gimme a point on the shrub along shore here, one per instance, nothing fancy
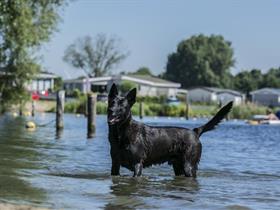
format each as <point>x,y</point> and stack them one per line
<point>6,206</point>
<point>152,108</point>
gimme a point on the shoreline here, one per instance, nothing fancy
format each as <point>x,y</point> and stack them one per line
<point>244,111</point>
<point>8,206</point>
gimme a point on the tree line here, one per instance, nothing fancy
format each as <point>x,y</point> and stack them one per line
<point>247,81</point>
<point>208,60</point>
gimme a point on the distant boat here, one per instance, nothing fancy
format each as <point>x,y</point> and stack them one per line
<point>262,119</point>
<point>259,117</point>
<point>271,122</point>
<point>173,101</point>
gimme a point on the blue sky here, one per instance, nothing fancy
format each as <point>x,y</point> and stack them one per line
<point>151,29</point>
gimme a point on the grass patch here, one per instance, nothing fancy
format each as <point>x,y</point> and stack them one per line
<point>244,111</point>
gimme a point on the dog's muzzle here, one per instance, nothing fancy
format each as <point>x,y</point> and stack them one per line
<point>113,121</point>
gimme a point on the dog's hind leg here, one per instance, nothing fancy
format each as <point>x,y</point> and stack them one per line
<point>178,167</point>
<point>138,169</point>
<point>189,170</point>
<point>191,160</point>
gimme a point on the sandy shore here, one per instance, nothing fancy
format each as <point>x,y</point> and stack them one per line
<point>5,206</point>
<point>41,106</point>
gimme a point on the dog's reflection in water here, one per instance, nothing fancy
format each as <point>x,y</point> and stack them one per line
<point>145,192</point>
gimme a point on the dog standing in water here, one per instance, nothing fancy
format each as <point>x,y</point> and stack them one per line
<point>135,145</point>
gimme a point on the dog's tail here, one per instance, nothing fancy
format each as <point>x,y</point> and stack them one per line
<point>215,120</point>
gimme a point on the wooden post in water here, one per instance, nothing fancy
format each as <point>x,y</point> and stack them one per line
<point>88,90</point>
<point>20,108</point>
<point>91,111</point>
<point>33,108</point>
<point>60,98</point>
<point>220,104</point>
<point>86,108</point>
<point>141,110</point>
<point>187,108</point>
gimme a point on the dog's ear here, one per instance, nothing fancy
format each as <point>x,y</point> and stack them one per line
<point>113,91</point>
<point>131,96</point>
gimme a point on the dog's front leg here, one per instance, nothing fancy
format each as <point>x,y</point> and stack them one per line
<point>138,169</point>
<point>115,156</point>
<point>115,170</point>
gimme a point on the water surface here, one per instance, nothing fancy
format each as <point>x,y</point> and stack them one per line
<point>239,168</point>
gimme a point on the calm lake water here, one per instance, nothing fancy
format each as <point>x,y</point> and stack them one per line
<point>239,169</point>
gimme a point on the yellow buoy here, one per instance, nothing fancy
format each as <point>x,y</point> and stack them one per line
<point>253,122</point>
<point>30,125</point>
<point>27,114</point>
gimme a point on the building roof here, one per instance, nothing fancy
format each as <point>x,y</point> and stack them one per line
<point>275,91</point>
<point>92,79</point>
<point>218,90</point>
<point>46,75</point>
<point>40,75</point>
<point>150,80</point>
<point>139,79</point>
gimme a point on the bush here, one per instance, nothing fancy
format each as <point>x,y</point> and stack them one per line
<point>76,93</point>
<point>152,99</point>
<point>202,110</point>
<point>72,107</point>
<point>126,86</point>
<point>135,109</point>
<point>246,111</point>
<point>80,107</point>
<point>156,109</point>
<point>101,108</point>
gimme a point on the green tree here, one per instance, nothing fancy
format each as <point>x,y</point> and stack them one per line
<point>24,26</point>
<point>143,71</point>
<point>201,60</point>
<point>96,57</point>
<point>244,82</point>
<point>257,76</point>
<point>58,83</point>
<point>247,81</point>
<point>125,86</point>
<point>272,78</point>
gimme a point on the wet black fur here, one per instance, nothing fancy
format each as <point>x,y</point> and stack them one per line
<point>135,145</point>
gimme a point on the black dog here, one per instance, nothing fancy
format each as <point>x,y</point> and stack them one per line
<point>135,145</point>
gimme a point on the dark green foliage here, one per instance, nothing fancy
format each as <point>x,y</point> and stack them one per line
<point>201,61</point>
<point>58,84</point>
<point>125,86</point>
<point>272,78</point>
<point>246,81</point>
<point>143,71</point>
<point>24,26</point>
<point>76,93</point>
